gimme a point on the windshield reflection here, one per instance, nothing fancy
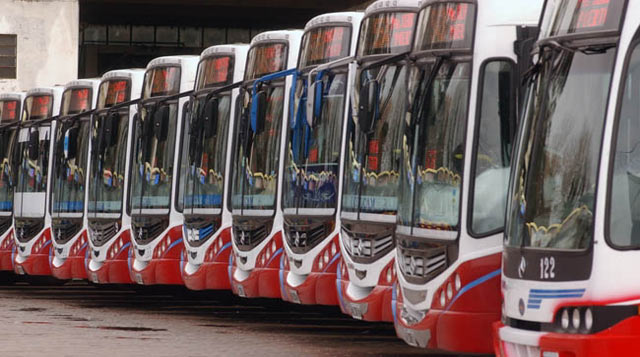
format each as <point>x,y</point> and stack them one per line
<point>434,147</point>
<point>154,149</point>
<point>257,155</point>
<point>372,165</point>
<point>313,153</point>
<point>204,158</point>
<point>7,170</point>
<point>70,166</point>
<point>107,172</point>
<point>552,192</point>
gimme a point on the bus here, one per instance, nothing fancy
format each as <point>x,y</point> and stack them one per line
<point>68,179</point>
<point>205,161</point>
<point>372,160</point>
<point>258,156</point>
<point>313,152</point>
<point>152,202</point>
<point>572,209</point>
<point>31,219</point>
<point>109,223</point>
<point>10,109</point>
<point>457,141</point>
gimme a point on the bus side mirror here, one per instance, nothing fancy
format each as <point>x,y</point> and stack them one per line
<point>34,143</point>
<point>368,94</point>
<point>161,123</point>
<point>71,143</point>
<point>315,96</point>
<point>210,124</point>
<point>258,112</point>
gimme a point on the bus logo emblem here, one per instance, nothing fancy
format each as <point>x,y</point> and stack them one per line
<point>522,267</point>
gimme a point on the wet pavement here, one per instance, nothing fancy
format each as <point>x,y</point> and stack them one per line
<point>79,319</point>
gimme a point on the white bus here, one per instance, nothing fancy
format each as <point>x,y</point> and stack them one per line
<point>258,157</point>
<point>313,158</point>
<point>572,239</point>
<point>464,82</point>
<point>70,159</point>
<point>205,164</point>
<point>372,160</point>
<point>31,219</point>
<point>152,202</point>
<point>107,258</point>
<point>10,111</point>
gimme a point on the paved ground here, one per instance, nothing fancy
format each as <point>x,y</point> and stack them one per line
<point>85,320</point>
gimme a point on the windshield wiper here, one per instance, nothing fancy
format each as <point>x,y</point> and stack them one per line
<point>416,114</point>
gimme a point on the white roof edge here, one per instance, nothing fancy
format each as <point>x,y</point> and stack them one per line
<point>268,36</point>
<point>333,17</point>
<point>219,49</point>
<point>390,5</point>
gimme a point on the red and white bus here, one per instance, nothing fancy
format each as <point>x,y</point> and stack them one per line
<point>152,202</point>
<point>107,257</point>
<point>313,158</point>
<point>31,219</point>
<point>10,110</point>
<point>205,164</point>
<point>467,61</point>
<point>69,178</point>
<point>372,160</point>
<point>572,239</point>
<point>258,157</point>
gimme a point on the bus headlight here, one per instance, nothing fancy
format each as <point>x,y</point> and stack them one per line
<point>575,319</point>
<point>588,318</point>
<point>564,320</point>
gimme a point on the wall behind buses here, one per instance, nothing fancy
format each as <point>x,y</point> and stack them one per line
<point>46,39</point>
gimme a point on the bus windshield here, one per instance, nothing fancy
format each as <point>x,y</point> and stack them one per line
<point>8,113</point>
<point>313,153</point>
<point>71,145</point>
<point>432,166</point>
<point>154,149</point>
<point>107,170</point>
<point>553,187</point>
<point>257,154</point>
<point>34,161</point>
<point>374,157</point>
<point>70,166</point>
<point>204,156</point>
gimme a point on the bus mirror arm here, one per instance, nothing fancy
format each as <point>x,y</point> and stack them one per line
<point>259,98</point>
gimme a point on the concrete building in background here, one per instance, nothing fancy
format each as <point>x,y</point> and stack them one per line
<point>38,43</point>
<point>46,42</point>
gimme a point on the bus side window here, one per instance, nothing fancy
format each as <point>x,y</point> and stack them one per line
<point>494,135</point>
<point>624,221</point>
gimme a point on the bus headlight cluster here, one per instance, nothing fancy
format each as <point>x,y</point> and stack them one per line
<point>77,246</point>
<point>267,253</point>
<point>115,248</point>
<point>447,291</point>
<point>214,249</point>
<point>162,247</point>
<point>326,255</point>
<point>576,319</point>
<point>6,244</point>
<point>41,243</point>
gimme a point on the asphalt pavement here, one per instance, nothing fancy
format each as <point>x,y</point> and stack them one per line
<point>81,319</point>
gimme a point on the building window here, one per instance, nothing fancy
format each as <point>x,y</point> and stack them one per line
<point>8,53</point>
